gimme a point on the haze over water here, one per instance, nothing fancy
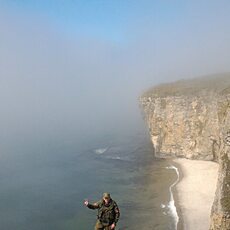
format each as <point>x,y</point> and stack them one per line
<point>43,185</point>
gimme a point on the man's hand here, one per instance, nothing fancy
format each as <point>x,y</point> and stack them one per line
<point>86,202</point>
<point>112,226</point>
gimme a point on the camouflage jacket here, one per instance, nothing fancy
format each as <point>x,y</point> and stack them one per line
<point>107,214</point>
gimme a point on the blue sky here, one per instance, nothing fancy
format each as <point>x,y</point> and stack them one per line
<point>103,19</point>
<point>65,59</point>
<point>100,18</point>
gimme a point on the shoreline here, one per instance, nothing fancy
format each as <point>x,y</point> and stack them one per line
<point>180,223</point>
<point>172,202</point>
<point>194,193</point>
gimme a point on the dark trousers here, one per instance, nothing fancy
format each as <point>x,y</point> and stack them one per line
<point>99,226</point>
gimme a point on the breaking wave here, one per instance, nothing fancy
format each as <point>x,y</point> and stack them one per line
<point>171,205</point>
<point>100,151</point>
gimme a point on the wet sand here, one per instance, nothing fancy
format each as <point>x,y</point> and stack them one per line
<point>195,192</point>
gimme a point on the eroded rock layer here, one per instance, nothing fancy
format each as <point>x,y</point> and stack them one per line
<point>191,119</point>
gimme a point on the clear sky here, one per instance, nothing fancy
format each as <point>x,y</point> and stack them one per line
<point>62,59</point>
<point>97,18</point>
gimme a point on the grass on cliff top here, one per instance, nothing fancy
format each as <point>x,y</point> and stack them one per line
<point>217,83</point>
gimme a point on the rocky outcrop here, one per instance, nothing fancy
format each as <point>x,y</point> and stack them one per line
<point>191,119</point>
<point>220,218</point>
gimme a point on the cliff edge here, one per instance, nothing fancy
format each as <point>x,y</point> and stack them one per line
<point>191,119</point>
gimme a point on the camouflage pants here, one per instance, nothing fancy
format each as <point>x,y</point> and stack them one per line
<point>99,226</point>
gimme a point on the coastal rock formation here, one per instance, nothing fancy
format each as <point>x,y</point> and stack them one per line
<point>191,119</point>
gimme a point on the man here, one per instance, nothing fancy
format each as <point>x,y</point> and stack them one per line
<point>108,212</point>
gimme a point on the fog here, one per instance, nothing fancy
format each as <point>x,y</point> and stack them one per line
<point>55,84</point>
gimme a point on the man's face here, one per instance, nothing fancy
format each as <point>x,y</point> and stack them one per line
<point>106,200</point>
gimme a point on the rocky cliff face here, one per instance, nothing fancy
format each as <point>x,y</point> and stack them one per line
<point>191,119</point>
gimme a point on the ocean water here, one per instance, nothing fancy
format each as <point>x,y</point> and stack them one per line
<point>44,184</point>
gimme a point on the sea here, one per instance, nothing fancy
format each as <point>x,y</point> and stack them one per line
<point>43,184</point>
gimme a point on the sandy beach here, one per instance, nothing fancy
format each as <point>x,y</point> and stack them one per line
<point>195,192</point>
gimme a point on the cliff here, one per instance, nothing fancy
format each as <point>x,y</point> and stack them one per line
<point>191,119</point>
